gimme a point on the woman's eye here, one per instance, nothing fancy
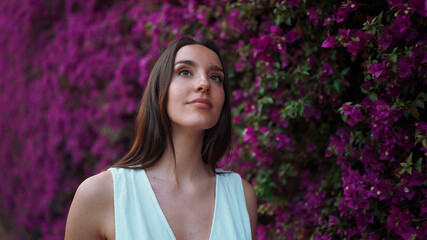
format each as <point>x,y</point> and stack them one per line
<point>216,78</point>
<point>184,73</point>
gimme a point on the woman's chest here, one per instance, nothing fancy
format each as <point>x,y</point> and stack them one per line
<point>189,214</point>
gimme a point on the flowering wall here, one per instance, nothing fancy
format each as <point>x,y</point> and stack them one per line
<point>328,101</point>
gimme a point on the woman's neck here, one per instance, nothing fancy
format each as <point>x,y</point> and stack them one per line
<point>188,164</point>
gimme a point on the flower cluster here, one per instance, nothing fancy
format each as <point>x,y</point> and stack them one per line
<point>328,106</point>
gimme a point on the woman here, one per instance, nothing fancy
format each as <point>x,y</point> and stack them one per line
<point>168,186</point>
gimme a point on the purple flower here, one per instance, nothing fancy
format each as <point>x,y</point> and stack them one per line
<point>379,70</point>
<point>421,128</point>
<point>354,114</point>
<point>280,47</point>
<point>394,3</point>
<point>338,143</point>
<point>380,110</point>
<point>262,43</point>
<point>406,67</point>
<point>249,135</point>
<point>326,69</point>
<point>345,34</point>
<point>292,36</point>
<point>330,42</point>
<point>239,65</point>
<point>312,112</point>
<point>314,16</point>
<point>284,141</point>
<point>333,220</point>
<point>261,232</point>
<point>388,36</point>
<point>354,40</point>
<point>402,22</point>
<point>344,10</point>
<point>399,222</point>
<point>275,115</point>
<point>328,19</point>
<point>411,36</point>
<point>420,7</point>
<point>423,206</point>
<point>293,3</point>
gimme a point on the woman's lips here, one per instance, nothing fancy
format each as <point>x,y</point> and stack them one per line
<point>201,103</point>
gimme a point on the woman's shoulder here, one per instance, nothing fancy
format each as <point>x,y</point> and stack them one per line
<point>96,186</point>
<point>247,187</point>
<point>250,197</point>
<point>92,206</point>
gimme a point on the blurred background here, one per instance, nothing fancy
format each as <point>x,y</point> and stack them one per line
<point>328,106</point>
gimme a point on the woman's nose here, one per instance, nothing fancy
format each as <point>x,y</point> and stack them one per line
<point>202,84</point>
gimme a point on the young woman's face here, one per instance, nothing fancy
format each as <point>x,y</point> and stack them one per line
<point>196,92</point>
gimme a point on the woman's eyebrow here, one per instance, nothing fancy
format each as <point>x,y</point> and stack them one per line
<point>217,68</point>
<point>188,62</point>
<point>192,63</point>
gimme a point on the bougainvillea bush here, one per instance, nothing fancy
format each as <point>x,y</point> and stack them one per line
<point>328,102</point>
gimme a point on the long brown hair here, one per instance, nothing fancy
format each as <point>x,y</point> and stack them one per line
<point>153,128</point>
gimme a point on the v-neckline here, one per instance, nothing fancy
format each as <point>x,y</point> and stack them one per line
<point>162,215</point>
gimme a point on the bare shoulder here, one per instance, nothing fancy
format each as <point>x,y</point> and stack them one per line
<point>91,209</point>
<point>96,186</point>
<point>251,204</point>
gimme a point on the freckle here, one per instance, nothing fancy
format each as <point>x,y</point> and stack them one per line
<point>379,192</point>
<point>386,153</point>
<point>406,137</point>
<point>406,189</point>
<point>346,188</point>
<point>352,5</point>
<point>279,46</point>
<point>253,107</point>
<point>375,125</point>
<point>328,19</point>
<point>372,188</point>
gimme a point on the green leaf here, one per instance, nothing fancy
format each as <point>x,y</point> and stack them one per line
<point>373,96</point>
<point>393,57</point>
<point>419,103</point>
<point>410,159</point>
<point>418,164</point>
<point>415,113</point>
<point>337,85</point>
<point>266,100</point>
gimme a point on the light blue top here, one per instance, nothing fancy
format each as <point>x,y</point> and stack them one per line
<point>138,214</point>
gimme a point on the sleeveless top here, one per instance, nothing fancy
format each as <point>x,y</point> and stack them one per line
<point>138,214</point>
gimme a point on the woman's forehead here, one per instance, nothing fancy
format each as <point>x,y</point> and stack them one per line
<point>198,54</point>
